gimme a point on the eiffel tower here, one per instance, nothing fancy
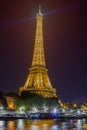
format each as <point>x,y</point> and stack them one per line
<point>38,81</point>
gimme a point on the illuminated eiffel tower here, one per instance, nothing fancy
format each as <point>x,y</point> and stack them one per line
<point>38,81</point>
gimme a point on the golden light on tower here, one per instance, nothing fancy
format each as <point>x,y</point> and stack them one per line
<point>38,81</point>
<point>38,56</point>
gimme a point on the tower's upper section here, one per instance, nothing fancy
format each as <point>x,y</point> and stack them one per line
<point>38,56</point>
<point>39,13</point>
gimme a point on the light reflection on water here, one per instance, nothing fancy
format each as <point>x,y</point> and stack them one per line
<point>22,124</point>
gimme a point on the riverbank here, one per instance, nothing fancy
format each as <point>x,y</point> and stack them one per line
<point>42,116</point>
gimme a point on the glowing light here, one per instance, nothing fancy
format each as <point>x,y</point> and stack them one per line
<point>45,109</point>
<point>22,108</point>
<point>74,105</point>
<point>55,110</point>
<point>63,110</point>
<point>20,124</point>
<point>2,123</point>
<point>34,127</point>
<point>55,127</point>
<point>11,124</point>
<point>78,112</point>
<point>1,108</point>
<point>34,109</point>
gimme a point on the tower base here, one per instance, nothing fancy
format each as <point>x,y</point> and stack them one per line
<point>29,100</point>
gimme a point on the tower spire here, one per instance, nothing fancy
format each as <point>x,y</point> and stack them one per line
<point>40,9</point>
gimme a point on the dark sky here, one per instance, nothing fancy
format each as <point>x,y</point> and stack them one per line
<point>65,41</point>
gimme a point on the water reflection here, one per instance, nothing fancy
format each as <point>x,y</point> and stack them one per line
<point>2,125</point>
<point>22,124</point>
<point>39,124</point>
<point>11,125</point>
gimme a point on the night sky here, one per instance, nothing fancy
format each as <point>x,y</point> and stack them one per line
<point>65,41</point>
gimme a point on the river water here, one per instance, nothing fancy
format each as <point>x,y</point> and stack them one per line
<point>23,124</point>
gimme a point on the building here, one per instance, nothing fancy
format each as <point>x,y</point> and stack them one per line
<point>38,82</point>
<point>11,99</point>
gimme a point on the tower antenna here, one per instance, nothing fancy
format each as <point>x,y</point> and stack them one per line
<point>39,9</point>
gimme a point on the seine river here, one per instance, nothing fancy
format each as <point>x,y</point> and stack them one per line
<point>23,124</point>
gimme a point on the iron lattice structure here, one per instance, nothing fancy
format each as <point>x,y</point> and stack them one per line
<point>38,81</point>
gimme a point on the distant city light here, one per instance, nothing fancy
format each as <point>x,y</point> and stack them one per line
<point>55,110</point>
<point>1,108</point>
<point>22,108</point>
<point>34,109</point>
